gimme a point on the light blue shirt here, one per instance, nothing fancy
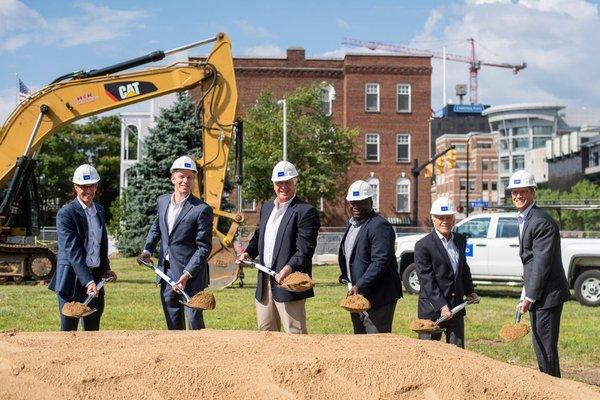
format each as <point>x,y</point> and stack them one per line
<point>451,249</point>
<point>522,217</point>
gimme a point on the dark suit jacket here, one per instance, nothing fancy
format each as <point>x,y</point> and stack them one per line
<point>189,244</point>
<point>543,272</point>
<point>439,285</point>
<point>373,266</point>
<point>294,245</point>
<point>72,230</point>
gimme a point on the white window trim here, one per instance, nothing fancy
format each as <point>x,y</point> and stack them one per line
<point>409,98</point>
<point>371,181</point>
<point>409,147</point>
<point>331,94</point>
<point>249,209</point>
<point>378,97</point>
<point>378,147</point>
<point>408,182</point>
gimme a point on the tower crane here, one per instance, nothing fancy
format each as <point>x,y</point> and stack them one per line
<point>474,63</point>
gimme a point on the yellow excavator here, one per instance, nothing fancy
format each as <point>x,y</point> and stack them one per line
<point>85,93</point>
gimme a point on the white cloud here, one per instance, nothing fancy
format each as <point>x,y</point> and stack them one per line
<point>249,29</point>
<point>342,24</point>
<point>7,103</point>
<point>557,39</point>
<point>267,50</point>
<point>20,25</point>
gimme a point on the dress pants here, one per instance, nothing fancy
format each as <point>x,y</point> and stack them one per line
<point>376,320</point>
<point>545,326</point>
<point>89,323</point>
<point>272,315</point>
<point>455,332</point>
<point>176,313</point>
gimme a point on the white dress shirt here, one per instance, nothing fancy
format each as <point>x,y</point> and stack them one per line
<point>521,220</point>
<point>349,243</point>
<point>271,229</point>
<point>451,249</point>
<point>172,212</point>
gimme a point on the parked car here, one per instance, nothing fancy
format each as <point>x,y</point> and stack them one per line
<point>493,256</point>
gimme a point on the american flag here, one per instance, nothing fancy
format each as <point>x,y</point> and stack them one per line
<point>24,91</point>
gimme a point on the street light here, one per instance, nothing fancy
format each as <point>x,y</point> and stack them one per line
<point>470,135</point>
<point>283,103</point>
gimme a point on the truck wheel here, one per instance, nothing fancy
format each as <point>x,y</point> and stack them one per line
<point>410,279</point>
<point>587,288</point>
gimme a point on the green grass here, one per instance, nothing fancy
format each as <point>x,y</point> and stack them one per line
<point>133,303</point>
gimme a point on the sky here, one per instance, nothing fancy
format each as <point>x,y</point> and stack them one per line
<point>558,39</point>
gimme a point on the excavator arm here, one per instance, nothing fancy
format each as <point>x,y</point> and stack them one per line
<point>79,95</point>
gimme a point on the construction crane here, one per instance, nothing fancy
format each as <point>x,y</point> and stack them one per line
<point>474,63</point>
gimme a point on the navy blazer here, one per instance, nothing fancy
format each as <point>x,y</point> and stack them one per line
<point>294,245</point>
<point>189,244</point>
<point>439,285</point>
<point>373,266</point>
<point>72,230</point>
<point>543,273</point>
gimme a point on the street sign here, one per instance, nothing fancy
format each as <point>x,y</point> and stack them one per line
<point>479,204</point>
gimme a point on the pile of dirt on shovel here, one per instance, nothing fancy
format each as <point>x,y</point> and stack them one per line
<point>75,309</point>
<point>203,301</point>
<point>298,282</point>
<point>211,364</point>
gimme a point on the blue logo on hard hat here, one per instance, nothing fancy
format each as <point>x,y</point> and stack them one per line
<point>87,177</point>
<point>444,208</point>
<point>357,193</point>
<point>517,181</point>
<point>281,173</point>
<point>187,165</point>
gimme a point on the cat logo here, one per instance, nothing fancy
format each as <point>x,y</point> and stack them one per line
<point>119,91</point>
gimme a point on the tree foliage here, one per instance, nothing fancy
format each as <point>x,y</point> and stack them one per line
<point>176,132</point>
<point>574,220</point>
<point>320,150</point>
<point>96,142</point>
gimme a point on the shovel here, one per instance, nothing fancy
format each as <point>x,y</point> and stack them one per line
<point>455,310</point>
<point>363,313</point>
<point>68,312</point>
<point>272,273</point>
<point>514,331</point>
<point>166,278</point>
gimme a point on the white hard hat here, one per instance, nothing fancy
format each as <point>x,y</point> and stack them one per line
<point>443,206</point>
<point>284,171</point>
<point>184,162</point>
<point>521,179</point>
<point>359,190</point>
<point>85,174</point>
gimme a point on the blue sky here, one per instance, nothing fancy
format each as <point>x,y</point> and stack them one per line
<point>41,40</point>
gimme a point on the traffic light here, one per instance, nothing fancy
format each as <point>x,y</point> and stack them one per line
<point>439,165</point>
<point>451,159</point>
<point>428,171</point>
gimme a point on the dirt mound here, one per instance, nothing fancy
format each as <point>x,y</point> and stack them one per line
<point>203,301</point>
<point>212,364</point>
<point>355,303</point>
<point>298,282</point>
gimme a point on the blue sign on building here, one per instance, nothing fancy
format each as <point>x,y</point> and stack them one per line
<point>468,108</point>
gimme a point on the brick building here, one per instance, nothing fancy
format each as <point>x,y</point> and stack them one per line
<point>386,97</point>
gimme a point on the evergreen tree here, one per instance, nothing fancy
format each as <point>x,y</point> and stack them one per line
<point>176,133</point>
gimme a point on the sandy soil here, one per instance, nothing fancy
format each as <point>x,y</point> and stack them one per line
<point>215,364</point>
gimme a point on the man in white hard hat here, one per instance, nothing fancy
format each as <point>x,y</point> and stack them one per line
<point>82,251</point>
<point>444,275</point>
<point>367,261</point>
<point>545,286</point>
<point>285,242</point>
<point>183,226</point>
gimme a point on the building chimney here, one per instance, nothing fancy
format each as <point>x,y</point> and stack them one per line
<point>296,54</point>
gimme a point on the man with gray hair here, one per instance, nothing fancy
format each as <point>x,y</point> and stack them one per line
<point>285,242</point>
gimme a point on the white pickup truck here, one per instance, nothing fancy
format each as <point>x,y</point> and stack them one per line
<point>493,256</point>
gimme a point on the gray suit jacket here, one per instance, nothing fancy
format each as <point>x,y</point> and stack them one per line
<point>543,273</point>
<point>189,244</point>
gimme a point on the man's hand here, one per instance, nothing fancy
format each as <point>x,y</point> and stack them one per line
<point>179,286</point>
<point>446,313</point>
<point>110,276</point>
<point>92,289</point>
<point>243,257</point>
<point>473,298</point>
<point>523,306</point>
<point>145,256</point>
<point>281,275</point>
<point>353,290</point>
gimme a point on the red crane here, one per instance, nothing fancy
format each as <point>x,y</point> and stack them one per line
<point>474,63</point>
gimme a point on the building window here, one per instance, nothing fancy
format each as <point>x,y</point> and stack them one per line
<point>403,98</point>
<point>403,195</point>
<point>485,165</point>
<point>484,186</point>
<point>374,182</point>
<point>494,165</point>
<point>494,186</point>
<point>372,147</point>
<point>518,162</point>
<point>402,147</point>
<point>463,185</point>
<point>248,205</point>
<point>460,147</point>
<point>131,148</point>
<point>372,97</point>
<point>327,97</point>
<point>484,145</point>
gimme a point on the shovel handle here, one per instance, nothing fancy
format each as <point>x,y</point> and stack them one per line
<point>517,317</point>
<point>91,296</point>
<point>163,276</point>
<point>260,267</point>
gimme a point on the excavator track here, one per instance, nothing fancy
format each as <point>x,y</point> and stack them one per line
<point>26,262</point>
